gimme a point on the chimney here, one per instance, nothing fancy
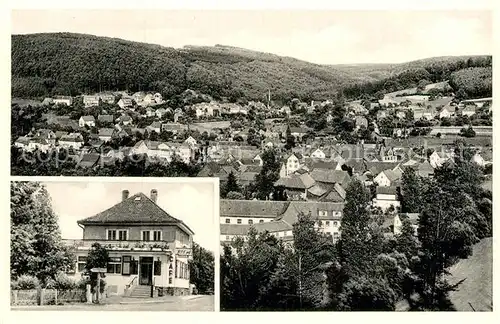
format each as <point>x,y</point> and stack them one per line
<point>154,195</point>
<point>124,194</point>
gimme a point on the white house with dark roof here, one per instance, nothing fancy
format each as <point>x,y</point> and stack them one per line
<point>386,197</point>
<point>125,103</point>
<point>106,134</point>
<point>147,247</point>
<point>86,121</point>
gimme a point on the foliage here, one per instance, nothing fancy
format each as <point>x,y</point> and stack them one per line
<point>36,245</point>
<point>201,270</point>
<point>231,185</point>
<point>269,174</point>
<point>25,282</point>
<point>235,195</point>
<point>61,282</point>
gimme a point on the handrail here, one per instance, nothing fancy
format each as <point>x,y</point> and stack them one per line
<point>131,283</point>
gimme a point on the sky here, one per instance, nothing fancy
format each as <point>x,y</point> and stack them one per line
<point>193,203</point>
<point>323,37</point>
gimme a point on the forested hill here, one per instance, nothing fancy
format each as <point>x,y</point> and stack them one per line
<point>72,64</point>
<point>63,63</point>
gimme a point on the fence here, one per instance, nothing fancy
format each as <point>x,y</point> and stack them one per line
<point>47,297</point>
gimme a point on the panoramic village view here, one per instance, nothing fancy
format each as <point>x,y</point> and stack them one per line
<point>342,187</point>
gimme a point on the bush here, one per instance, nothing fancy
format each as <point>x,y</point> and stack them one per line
<point>25,282</point>
<point>61,282</point>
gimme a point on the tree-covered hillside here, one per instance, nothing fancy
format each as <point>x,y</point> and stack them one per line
<point>73,64</point>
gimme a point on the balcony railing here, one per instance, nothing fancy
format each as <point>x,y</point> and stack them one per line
<point>129,245</point>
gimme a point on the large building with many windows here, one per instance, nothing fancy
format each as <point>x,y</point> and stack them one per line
<point>276,217</point>
<point>147,247</point>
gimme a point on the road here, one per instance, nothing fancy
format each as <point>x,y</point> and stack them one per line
<point>196,303</point>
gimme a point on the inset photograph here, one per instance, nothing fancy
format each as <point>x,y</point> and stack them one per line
<point>119,245</point>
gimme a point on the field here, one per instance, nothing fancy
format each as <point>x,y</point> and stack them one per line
<point>475,293</point>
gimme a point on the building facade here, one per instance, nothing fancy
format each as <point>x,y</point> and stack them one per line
<point>146,246</point>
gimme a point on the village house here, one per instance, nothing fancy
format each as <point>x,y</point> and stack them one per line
<point>154,127</point>
<point>295,186</point>
<point>89,160</point>
<point>447,112</point>
<point>437,159</point>
<point>361,121</point>
<point>386,197</point>
<point>105,119</point>
<point>469,110</point>
<point>398,222</point>
<point>90,101</point>
<point>276,217</point>
<point>477,102</point>
<point>86,121</point>
<point>153,149</point>
<point>125,103</point>
<point>148,248</point>
<point>68,142</point>
<point>258,159</point>
<point>388,178</point>
<point>124,120</point>
<point>38,143</point>
<point>172,127</point>
<point>318,154</point>
<point>22,142</point>
<point>291,164</point>
<point>286,110</point>
<point>106,134</point>
<point>150,112</point>
<point>64,100</point>
<point>138,97</point>
<point>160,112</point>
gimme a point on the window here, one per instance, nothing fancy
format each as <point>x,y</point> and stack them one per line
<point>111,235</point>
<point>126,265</point>
<point>327,223</point>
<point>146,235</point>
<point>227,237</point>
<point>335,223</point>
<point>82,261</point>
<point>238,221</point>
<point>157,268</point>
<point>115,265</point>
<point>228,221</point>
<point>322,213</point>
<point>122,235</point>
<point>250,221</point>
<point>261,221</point>
<point>156,235</point>
<point>134,267</point>
<point>285,234</point>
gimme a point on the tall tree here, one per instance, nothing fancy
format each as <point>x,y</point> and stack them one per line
<point>411,191</point>
<point>231,184</point>
<point>36,245</point>
<point>269,174</point>
<point>353,247</point>
<point>201,270</point>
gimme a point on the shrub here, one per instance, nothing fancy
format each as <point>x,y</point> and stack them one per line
<point>25,282</point>
<point>61,282</point>
<point>84,281</point>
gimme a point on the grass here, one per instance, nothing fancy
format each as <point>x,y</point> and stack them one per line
<point>476,292</point>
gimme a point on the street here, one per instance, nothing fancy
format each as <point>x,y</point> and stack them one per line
<point>191,303</point>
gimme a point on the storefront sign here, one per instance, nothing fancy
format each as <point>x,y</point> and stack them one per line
<point>184,252</point>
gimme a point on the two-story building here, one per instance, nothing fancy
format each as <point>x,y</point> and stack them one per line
<point>146,246</point>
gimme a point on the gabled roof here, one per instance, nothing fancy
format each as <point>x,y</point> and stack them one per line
<point>376,167</point>
<point>136,209</point>
<point>314,207</point>
<point>329,176</point>
<point>88,118</point>
<point>272,227</point>
<point>393,175</point>
<point>105,118</point>
<point>252,208</point>
<point>106,131</point>
<point>303,181</point>
<point>387,190</point>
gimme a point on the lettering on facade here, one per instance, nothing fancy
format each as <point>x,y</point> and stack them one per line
<point>184,252</point>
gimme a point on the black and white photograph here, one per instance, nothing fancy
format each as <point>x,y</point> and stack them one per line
<point>87,245</point>
<point>353,151</point>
